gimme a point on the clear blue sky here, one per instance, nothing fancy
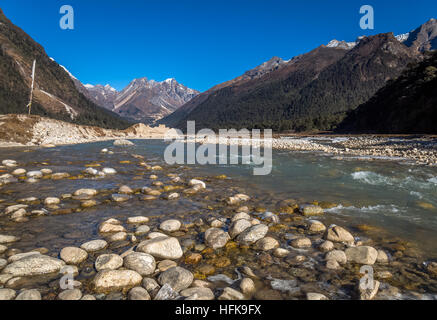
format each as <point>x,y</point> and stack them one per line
<point>198,42</point>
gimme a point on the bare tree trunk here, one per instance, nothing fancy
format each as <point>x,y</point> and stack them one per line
<point>29,106</point>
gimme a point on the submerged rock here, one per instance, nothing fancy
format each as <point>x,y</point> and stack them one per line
<point>34,174</point>
<point>253,234</point>
<point>337,255</point>
<point>137,220</point>
<point>216,238</point>
<point>267,243</point>
<point>289,286</point>
<point>368,293</point>
<point>197,184</point>
<point>86,192</point>
<point>309,210</point>
<point>177,278</point>
<point>125,190</point>
<point>111,227</point>
<point>326,246</point>
<point>52,201</point>
<point>109,171</point>
<point>382,257</point>
<point>316,226</point>
<point>301,243</point>
<point>281,253</point>
<point>240,225</point>
<point>120,197</point>
<point>362,255</point>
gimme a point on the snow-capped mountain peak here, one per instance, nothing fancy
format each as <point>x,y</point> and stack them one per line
<point>341,44</point>
<point>402,37</point>
<point>143,99</point>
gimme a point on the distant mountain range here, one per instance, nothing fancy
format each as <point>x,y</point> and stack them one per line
<point>142,100</point>
<point>313,91</point>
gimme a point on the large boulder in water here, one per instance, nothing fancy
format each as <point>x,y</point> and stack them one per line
<point>123,143</point>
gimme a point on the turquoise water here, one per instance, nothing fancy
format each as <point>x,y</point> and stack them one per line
<point>399,197</point>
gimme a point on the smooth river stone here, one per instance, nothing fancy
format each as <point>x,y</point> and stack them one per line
<point>339,234</point>
<point>309,210</point>
<point>7,294</point>
<point>253,234</point>
<point>8,239</point>
<point>108,262</point>
<point>28,295</point>
<point>362,255</point>
<point>137,220</point>
<point>94,245</point>
<point>140,262</point>
<point>177,278</point>
<point>239,226</point>
<point>116,280</point>
<point>73,255</point>
<point>198,294</point>
<point>85,192</point>
<point>162,248</point>
<point>170,225</point>
<point>216,238</point>
<point>34,265</point>
<point>138,293</point>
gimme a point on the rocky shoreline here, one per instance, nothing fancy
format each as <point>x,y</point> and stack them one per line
<point>46,132</point>
<point>420,151</point>
<point>23,130</point>
<point>234,247</point>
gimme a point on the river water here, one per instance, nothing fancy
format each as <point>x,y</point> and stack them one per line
<point>395,200</point>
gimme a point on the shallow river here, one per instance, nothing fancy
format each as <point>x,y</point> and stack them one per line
<point>388,200</point>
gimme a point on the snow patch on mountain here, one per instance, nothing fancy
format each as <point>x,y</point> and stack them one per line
<point>341,44</point>
<point>402,37</point>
